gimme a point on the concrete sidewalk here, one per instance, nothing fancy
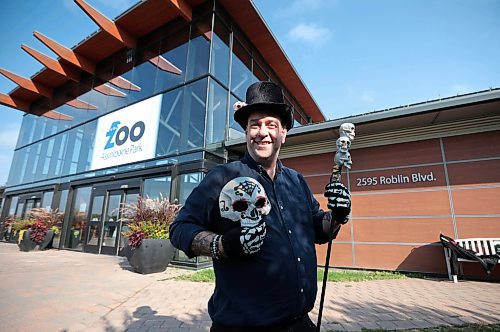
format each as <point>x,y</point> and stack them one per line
<point>68,291</point>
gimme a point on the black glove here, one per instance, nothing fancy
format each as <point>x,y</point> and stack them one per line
<point>243,241</point>
<point>339,201</point>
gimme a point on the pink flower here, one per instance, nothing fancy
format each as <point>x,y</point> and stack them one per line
<point>239,104</point>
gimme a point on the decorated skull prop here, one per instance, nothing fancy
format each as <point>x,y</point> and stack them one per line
<point>343,159</point>
<point>347,129</point>
<point>244,199</point>
<point>343,143</point>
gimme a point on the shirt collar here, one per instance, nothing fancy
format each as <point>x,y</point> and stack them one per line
<point>258,167</point>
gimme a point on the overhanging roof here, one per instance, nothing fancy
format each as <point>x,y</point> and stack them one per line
<point>473,107</point>
<point>147,16</point>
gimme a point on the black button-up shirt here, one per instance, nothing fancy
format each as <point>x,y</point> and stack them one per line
<point>279,282</point>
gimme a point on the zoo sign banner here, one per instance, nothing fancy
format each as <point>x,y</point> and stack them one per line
<point>127,135</point>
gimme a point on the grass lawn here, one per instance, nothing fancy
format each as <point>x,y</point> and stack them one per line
<point>207,275</point>
<point>463,328</point>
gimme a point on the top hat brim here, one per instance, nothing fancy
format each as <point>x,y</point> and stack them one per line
<point>284,112</point>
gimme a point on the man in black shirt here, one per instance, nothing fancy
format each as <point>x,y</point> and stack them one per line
<point>260,222</point>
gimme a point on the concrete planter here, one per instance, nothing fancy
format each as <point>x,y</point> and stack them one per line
<point>152,256</point>
<point>27,245</point>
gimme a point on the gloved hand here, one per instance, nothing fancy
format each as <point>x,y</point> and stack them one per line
<point>339,201</point>
<point>243,241</point>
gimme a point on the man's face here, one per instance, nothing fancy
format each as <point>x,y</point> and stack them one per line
<point>264,136</point>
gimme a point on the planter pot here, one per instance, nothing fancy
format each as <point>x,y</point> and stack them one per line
<point>27,245</point>
<point>153,255</point>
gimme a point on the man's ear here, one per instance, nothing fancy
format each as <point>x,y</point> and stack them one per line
<point>283,137</point>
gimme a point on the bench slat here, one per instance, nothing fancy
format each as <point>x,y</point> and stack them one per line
<point>483,246</point>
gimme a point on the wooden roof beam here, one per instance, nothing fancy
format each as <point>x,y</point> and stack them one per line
<point>124,83</point>
<point>52,64</point>
<point>76,103</point>
<point>28,84</point>
<point>16,103</point>
<point>67,54</point>
<point>109,91</point>
<point>183,8</point>
<point>56,116</point>
<point>108,25</point>
<point>165,65</point>
<point>24,106</point>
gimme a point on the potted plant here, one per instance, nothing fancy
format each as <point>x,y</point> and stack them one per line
<point>148,248</point>
<point>37,230</point>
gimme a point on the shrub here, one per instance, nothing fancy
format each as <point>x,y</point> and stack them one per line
<point>148,219</point>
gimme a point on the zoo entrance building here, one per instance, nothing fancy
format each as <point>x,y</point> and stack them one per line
<point>143,106</point>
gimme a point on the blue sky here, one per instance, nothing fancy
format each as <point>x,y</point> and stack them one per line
<point>355,56</point>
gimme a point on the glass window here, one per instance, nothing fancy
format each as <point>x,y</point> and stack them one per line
<point>78,219</point>
<point>87,146</point>
<point>156,187</point>
<point>235,130</point>
<point>47,200</point>
<point>15,173</point>
<point>144,76</point>
<point>241,72</point>
<point>220,53</point>
<point>199,48</point>
<point>258,73</point>
<point>26,130</point>
<point>182,119</point>
<point>13,205</point>
<point>174,49</point>
<point>63,199</point>
<point>188,183</point>
<point>19,210</point>
<point>216,113</point>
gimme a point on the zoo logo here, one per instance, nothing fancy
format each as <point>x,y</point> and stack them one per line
<point>122,134</point>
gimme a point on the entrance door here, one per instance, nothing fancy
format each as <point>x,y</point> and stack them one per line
<point>104,224</point>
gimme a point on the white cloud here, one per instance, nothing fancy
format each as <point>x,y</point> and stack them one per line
<point>8,136</point>
<point>460,89</point>
<point>309,33</point>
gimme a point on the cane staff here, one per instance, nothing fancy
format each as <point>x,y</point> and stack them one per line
<point>342,158</point>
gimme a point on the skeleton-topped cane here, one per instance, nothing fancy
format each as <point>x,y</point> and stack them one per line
<point>342,158</point>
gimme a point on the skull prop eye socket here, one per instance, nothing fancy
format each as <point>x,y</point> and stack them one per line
<point>240,205</point>
<point>244,200</point>
<point>261,202</point>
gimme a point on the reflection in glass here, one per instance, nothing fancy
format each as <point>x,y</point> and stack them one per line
<point>156,187</point>
<point>93,238</point>
<point>199,48</point>
<point>174,49</point>
<point>241,73</point>
<point>110,221</point>
<point>47,200</point>
<point>235,130</point>
<point>95,221</point>
<point>187,184</point>
<point>220,53</point>
<point>63,199</point>
<point>182,119</point>
<point>216,113</point>
<point>75,233</point>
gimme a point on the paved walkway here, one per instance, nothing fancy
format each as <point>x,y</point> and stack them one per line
<point>68,291</point>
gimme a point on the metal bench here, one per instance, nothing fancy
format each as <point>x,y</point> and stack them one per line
<point>482,246</point>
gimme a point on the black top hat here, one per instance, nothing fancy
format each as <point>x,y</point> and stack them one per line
<point>264,96</point>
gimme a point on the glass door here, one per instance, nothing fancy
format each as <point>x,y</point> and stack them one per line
<point>104,225</point>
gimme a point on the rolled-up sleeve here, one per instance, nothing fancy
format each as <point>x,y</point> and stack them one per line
<point>197,213</point>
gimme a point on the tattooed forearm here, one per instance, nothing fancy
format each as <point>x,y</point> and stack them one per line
<point>201,243</point>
